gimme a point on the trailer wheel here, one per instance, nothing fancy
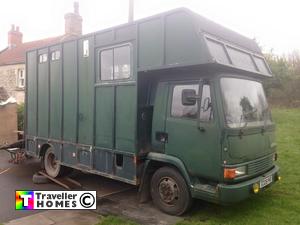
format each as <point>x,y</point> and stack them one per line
<point>170,192</point>
<point>52,166</point>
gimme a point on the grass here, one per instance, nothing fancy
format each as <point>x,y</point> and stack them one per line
<point>280,204</point>
<point>115,220</point>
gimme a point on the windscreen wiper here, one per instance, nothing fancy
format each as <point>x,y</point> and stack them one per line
<point>243,117</point>
<point>241,132</point>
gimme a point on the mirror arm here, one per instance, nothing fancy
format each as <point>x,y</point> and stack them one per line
<point>200,128</point>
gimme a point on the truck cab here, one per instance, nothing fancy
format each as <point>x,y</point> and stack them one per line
<point>218,129</point>
<point>173,104</point>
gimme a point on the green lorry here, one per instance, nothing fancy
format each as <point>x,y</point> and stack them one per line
<point>172,103</point>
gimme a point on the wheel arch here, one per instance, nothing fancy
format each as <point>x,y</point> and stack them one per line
<point>44,148</point>
<point>153,162</point>
<point>156,160</point>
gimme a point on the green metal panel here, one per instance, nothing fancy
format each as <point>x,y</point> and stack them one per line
<point>104,38</point>
<point>249,147</point>
<point>159,114</point>
<point>125,33</point>
<point>125,117</point>
<point>198,150</point>
<point>104,160</point>
<point>182,41</point>
<point>151,34</point>
<point>104,117</point>
<point>31,93</point>
<point>70,91</point>
<point>55,96</point>
<point>43,96</point>
<point>86,93</point>
<point>128,168</point>
<point>69,151</point>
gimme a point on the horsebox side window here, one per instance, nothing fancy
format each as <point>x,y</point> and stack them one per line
<point>107,65</point>
<point>55,55</point>
<point>43,58</point>
<point>115,63</point>
<point>122,62</point>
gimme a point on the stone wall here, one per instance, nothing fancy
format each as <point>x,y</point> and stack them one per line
<point>8,124</point>
<point>8,80</point>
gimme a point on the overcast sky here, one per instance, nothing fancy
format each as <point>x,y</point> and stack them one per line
<point>274,23</point>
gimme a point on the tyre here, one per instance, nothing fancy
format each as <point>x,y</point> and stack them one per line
<point>52,167</point>
<point>39,179</point>
<point>170,192</point>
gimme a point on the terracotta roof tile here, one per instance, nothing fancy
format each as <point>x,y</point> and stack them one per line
<point>17,54</point>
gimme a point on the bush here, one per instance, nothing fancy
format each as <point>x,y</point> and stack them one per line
<point>20,112</point>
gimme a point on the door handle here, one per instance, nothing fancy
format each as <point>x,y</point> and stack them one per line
<point>202,129</point>
<point>161,136</point>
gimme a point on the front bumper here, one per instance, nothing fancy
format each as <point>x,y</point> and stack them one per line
<point>230,193</point>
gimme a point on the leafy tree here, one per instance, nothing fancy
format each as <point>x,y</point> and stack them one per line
<point>284,87</point>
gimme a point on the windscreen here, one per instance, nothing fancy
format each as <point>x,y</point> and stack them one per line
<point>244,103</point>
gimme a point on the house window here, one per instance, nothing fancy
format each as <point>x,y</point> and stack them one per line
<point>43,58</point>
<point>115,63</point>
<point>21,78</point>
<point>55,55</point>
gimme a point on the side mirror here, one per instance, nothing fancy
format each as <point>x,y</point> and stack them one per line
<point>206,104</point>
<point>188,97</point>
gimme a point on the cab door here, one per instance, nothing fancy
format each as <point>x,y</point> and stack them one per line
<point>191,129</point>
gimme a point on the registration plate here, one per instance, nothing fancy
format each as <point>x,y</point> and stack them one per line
<point>266,181</point>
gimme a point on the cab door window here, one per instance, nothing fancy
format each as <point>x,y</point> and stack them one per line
<point>178,109</point>
<point>206,113</point>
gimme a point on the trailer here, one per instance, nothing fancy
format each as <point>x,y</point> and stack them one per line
<point>172,103</point>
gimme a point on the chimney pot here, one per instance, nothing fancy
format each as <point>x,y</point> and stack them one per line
<point>14,37</point>
<point>73,22</point>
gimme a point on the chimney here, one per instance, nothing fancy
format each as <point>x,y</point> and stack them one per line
<point>14,37</point>
<point>73,22</point>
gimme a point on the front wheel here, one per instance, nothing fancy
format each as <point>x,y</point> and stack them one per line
<point>170,192</point>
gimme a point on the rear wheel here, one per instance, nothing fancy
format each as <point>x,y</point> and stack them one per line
<point>52,166</point>
<point>170,192</point>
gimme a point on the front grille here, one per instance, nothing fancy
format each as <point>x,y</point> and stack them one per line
<point>260,166</point>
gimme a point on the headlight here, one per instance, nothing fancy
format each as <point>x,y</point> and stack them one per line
<point>240,171</point>
<point>231,173</point>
